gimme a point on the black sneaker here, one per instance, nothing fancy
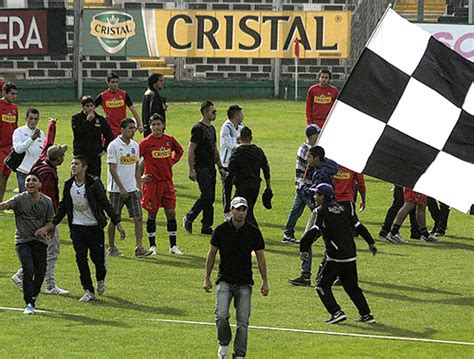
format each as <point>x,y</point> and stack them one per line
<point>415,235</point>
<point>301,281</point>
<point>207,231</point>
<point>289,240</point>
<point>337,317</point>
<point>383,234</point>
<point>187,225</point>
<point>367,318</point>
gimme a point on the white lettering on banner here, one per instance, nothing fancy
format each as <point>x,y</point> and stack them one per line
<point>3,36</point>
<point>16,37</point>
<point>34,31</point>
<point>16,32</point>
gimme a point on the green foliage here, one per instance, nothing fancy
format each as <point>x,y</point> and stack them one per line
<point>414,290</point>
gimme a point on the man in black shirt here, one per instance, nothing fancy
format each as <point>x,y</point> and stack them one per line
<point>153,102</point>
<point>336,225</point>
<point>244,165</point>
<point>235,240</point>
<point>202,159</point>
<point>88,129</point>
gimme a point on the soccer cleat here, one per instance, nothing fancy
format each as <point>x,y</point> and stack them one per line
<point>101,287</point>
<point>87,297</point>
<point>207,231</point>
<point>187,225</point>
<point>56,291</point>
<point>300,281</point>
<point>337,317</point>
<point>114,252</point>
<point>153,250</point>
<point>176,250</point>
<point>18,281</point>
<point>367,318</point>
<point>429,239</point>
<point>29,309</point>
<point>142,252</point>
<point>289,240</point>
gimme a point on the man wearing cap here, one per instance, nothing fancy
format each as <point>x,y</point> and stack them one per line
<point>51,157</point>
<point>312,133</point>
<point>335,224</point>
<point>235,239</point>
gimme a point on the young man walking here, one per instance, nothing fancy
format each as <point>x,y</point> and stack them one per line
<point>235,240</point>
<point>153,102</point>
<point>84,202</point>
<point>160,153</point>
<point>124,184</point>
<point>114,102</point>
<point>335,224</point>
<point>202,159</point>
<point>33,214</point>
<point>320,99</point>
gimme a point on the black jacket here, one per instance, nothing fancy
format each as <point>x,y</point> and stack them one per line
<point>245,164</point>
<point>96,197</point>
<point>152,103</point>
<point>88,135</point>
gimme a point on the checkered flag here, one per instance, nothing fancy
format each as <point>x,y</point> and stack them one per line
<point>406,114</point>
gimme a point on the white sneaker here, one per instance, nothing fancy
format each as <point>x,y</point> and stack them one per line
<point>430,239</point>
<point>400,239</point>
<point>18,281</point>
<point>176,250</point>
<point>395,238</point>
<point>56,291</point>
<point>87,297</point>
<point>223,351</point>
<point>29,309</point>
<point>101,287</point>
<point>153,250</point>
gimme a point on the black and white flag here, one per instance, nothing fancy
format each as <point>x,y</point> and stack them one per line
<point>406,115</point>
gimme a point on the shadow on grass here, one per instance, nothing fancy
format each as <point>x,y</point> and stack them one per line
<point>407,288</point>
<point>84,320</point>
<point>186,261</point>
<point>381,328</point>
<point>463,301</point>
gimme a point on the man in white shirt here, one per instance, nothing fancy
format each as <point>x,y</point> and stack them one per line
<point>29,140</point>
<point>123,184</point>
<point>230,131</point>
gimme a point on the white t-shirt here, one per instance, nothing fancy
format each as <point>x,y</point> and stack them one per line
<point>125,157</point>
<point>81,211</point>
<point>23,143</point>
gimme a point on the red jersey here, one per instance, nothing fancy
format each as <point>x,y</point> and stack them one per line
<point>8,124</point>
<point>319,102</point>
<point>115,107</point>
<point>344,184</point>
<point>160,154</point>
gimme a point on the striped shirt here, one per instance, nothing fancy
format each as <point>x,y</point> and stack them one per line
<point>301,161</point>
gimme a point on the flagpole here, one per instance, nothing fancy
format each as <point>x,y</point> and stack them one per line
<point>296,79</point>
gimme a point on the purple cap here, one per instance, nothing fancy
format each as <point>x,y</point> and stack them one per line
<point>323,189</point>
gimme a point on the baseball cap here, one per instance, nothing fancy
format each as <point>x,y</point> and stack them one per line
<point>323,189</point>
<point>312,130</point>
<point>238,202</point>
<point>56,151</point>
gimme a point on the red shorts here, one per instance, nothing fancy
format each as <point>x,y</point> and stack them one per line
<point>4,170</point>
<point>158,195</point>
<point>412,196</point>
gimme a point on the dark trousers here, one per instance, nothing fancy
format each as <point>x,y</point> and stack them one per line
<point>347,273</point>
<point>397,203</point>
<point>32,256</point>
<point>94,165</point>
<point>227,191</point>
<point>84,239</point>
<point>439,214</point>
<point>206,179</point>
<point>250,193</point>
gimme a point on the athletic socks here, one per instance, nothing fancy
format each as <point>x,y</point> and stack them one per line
<point>151,231</point>
<point>172,228</point>
<point>395,229</point>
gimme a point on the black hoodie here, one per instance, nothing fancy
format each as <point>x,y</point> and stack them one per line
<point>245,164</point>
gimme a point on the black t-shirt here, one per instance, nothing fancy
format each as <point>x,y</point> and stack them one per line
<point>205,138</point>
<point>235,250</point>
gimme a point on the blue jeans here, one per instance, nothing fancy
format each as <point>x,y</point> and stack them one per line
<point>299,204</point>
<point>206,179</point>
<point>32,256</point>
<point>242,294</point>
<point>21,177</point>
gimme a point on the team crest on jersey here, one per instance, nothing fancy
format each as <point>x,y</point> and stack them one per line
<point>336,209</point>
<point>97,122</point>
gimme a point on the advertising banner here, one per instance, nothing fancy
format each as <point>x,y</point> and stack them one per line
<point>194,33</point>
<point>32,32</point>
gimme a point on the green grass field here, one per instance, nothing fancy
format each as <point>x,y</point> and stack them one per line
<point>415,291</point>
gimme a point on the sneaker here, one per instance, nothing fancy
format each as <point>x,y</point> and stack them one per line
<point>114,252</point>
<point>337,317</point>
<point>367,318</point>
<point>396,238</point>
<point>187,225</point>
<point>430,239</point>
<point>142,252</point>
<point>222,352</point>
<point>176,250</point>
<point>289,240</point>
<point>207,231</point>
<point>415,235</point>
<point>29,309</point>
<point>390,238</point>
<point>153,250</point>
<point>18,281</point>
<point>439,233</point>
<point>87,297</point>
<point>101,287</point>
<point>56,291</point>
<point>300,281</point>
<point>337,282</point>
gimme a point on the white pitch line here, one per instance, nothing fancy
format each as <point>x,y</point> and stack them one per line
<point>22,309</point>
<point>324,332</point>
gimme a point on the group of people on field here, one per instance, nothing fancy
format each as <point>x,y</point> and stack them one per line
<point>140,176</point>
